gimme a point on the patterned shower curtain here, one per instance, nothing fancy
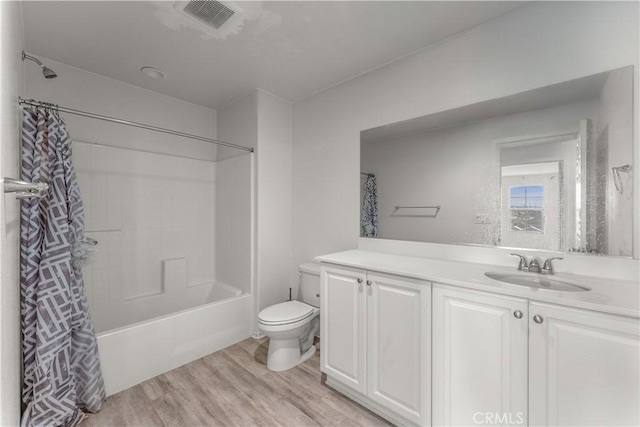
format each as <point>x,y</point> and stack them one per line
<point>369,213</point>
<point>62,376</point>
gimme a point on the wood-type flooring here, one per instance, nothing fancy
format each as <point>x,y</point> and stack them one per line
<point>233,387</point>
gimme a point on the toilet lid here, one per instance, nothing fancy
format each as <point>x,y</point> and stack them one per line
<point>285,312</point>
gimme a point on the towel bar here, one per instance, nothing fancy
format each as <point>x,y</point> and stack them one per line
<point>433,213</point>
<point>25,189</point>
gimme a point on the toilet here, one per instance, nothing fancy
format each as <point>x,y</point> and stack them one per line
<point>291,326</point>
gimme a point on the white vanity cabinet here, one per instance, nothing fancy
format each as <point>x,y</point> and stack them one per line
<point>479,357</point>
<point>376,344</point>
<point>494,356</point>
<point>584,368</point>
<point>343,326</point>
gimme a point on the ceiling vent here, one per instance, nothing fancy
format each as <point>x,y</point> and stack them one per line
<point>212,14</point>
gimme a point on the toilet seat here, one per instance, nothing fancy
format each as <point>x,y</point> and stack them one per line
<point>285,313</point>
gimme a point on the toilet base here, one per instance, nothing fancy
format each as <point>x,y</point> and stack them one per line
<point>285,354</point>
<point>308,354</point>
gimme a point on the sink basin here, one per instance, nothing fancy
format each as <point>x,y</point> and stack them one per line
<point>538,281</point>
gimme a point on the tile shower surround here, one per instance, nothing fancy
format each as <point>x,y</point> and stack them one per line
<point>153,216</point>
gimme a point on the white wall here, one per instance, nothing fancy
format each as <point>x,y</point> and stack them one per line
<point>456,168</point>
<point>11,44</point>
<point>617,116</point>
<point>143,208</point>
<point>274,199</point>
<point>540,44</point>
<point>238,121</point>
<point>234,221</point>
<point>238,124</point>
<point>82,90</point>
<point>263,121</point>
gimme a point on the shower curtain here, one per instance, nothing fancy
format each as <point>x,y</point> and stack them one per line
<point>62,376</point>
<point>369,213</point>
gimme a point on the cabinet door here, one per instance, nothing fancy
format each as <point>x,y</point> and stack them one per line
<point>584,368</point>
<point>399,346</point>
<point>343,326</point>
<point>479,358</point>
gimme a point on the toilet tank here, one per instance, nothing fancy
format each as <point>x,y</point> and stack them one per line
<point>310,283</point>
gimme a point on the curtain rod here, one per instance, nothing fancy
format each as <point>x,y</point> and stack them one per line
<point>367,174</point>
<point>40,104</point>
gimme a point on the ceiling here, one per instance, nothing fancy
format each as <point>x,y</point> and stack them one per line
<point>291,49</point>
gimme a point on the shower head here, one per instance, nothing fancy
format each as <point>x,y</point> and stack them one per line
<point>47,72</point>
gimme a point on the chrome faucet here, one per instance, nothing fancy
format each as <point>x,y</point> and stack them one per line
<point>534,265</point>
<point>547,268</point>
<point>522,265</point>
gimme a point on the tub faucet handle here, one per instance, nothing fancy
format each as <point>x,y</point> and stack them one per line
<point>522,265</point>
<point>547,268</point>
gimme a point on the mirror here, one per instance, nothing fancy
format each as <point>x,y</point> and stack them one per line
<point>549,169</point>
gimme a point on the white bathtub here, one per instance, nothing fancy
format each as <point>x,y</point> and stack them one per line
<point>135,353</point>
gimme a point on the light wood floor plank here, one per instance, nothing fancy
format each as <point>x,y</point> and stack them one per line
<point>233,387</point>
<point>156,387</point>
<point>230,401</point>
<point>253,357</point>
<point>130,408</point>
<point>196,398</point>
<point>285,413</point>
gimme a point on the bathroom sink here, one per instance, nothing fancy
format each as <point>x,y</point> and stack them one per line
<point>538,281</point>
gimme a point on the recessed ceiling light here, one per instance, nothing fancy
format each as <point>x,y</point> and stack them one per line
<point>152,72</point>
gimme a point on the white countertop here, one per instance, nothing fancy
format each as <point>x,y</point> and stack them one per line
<point>614,296</point>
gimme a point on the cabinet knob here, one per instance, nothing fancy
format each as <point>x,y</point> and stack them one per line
<point>359,280</point>
<point>517,314</point>
<point>538,319</point>
<point>368,282</point>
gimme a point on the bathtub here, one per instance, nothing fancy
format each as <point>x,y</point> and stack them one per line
<point>132,354</point>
